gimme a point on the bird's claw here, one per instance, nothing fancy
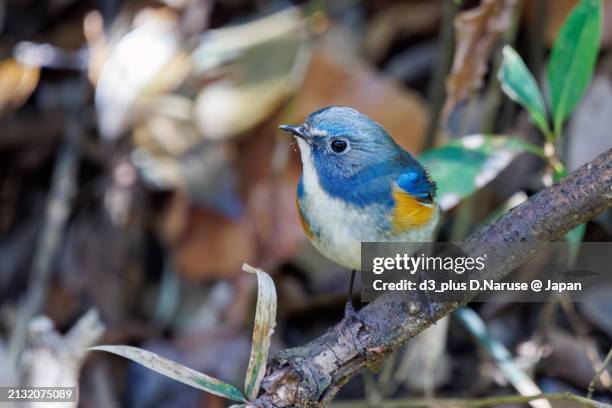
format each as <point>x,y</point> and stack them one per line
<point>424,301</point>
<point>350,315</point>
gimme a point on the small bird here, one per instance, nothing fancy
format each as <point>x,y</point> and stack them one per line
<point>358,185</point>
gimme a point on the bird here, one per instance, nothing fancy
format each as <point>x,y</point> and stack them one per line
<point>358,185</point>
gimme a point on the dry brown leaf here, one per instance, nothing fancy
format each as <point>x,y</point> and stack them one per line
<point>214,246</point>
<point>249,89</point>
<point>476,31</point>
<point>556,11</point>
<point>399,20</point>
<point>568,360</point>
<point>93,30</point>
<point>272,206</point>
<point>17,82</point>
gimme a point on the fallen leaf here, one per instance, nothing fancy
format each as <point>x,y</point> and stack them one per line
<point>258,65</point>
<point>17,82</point>
<point>272,206</point>
<point>214,246</point>
<point>568,360</point>
<point>476,32</point>
<point>133,63</point>
<point>399,20</point>
<point>93,30</point>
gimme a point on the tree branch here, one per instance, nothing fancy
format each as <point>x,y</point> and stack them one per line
<point>310,376</point>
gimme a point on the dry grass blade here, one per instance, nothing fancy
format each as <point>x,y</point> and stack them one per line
<point>476,31</point>
<point>265,321</point>
<point>175,371</point>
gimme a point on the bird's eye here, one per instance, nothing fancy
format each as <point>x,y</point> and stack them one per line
<point>338,145</point>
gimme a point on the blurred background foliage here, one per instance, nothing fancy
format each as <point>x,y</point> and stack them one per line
<point>141,165</point>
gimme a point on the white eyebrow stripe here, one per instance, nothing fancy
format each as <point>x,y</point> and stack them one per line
<point>318,132</point>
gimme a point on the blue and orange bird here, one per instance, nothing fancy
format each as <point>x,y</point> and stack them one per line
<point>358,185</point>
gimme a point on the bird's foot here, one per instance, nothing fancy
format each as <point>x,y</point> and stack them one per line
<point>427,306</point>
<point>423,299</point>
<point>348,325</point>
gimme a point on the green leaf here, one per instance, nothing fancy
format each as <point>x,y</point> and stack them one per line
<point>175,371</point>
<point>520,86</point>
<point>464,165</point>
<point>265,321</point>
<point>573,59</point>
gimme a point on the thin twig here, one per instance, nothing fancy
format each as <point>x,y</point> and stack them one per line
<point>593,383</point>
<point>59,204</point>
<point>493,91</point>
<point>437,90</point>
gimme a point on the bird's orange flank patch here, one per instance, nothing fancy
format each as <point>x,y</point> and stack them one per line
<point>408,212</point>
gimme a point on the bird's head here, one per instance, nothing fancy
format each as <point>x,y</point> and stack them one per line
<point>339,142</point>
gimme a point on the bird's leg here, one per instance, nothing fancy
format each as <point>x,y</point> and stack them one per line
<point>349,309</point>
<point>350,315</point>
<point>423,297</point>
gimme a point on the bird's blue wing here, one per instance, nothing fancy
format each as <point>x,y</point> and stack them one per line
<point>415,180</point>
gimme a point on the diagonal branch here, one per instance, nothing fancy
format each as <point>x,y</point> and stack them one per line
<point>310,376</point>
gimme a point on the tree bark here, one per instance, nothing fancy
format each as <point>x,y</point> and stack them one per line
<point>310,376</point>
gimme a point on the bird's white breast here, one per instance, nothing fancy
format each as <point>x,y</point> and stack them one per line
<point>339,227</point>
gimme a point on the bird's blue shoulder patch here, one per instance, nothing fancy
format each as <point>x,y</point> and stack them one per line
<point>417,183</point>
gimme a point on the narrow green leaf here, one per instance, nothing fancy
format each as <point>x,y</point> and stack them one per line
<point>465,165</point>
<point>175,371</point>
<point>573,59</point>
<point>500,354</point>
<point>265,321</point>
<point>520,86</point>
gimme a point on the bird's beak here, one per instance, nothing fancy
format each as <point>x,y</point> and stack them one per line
<point>295,130</point>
